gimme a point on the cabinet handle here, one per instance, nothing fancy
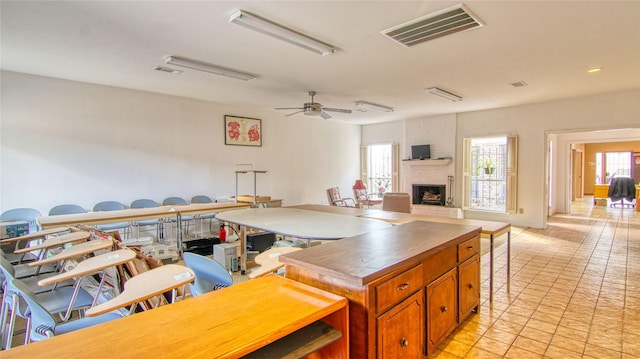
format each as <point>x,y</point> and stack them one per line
<point>403,286</point>
<point>470,286</point>
<point>443,309</point>
<point>470,248</point>
<point>404,342</point>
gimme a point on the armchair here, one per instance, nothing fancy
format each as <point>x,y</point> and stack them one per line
<point>363,198</point>
<point>333,194</point>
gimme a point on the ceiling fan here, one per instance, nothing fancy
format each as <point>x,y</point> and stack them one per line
<point>314,108</point>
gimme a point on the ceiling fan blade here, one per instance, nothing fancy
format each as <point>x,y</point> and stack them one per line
<point>289,108</point>
<point>336,110</point>
<point>294,113</point>
<point>325,115</point>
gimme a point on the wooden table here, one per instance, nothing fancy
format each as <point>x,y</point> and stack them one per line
<point>489,229</point>
<point>78,250</point>
<point>57,241</point>
<point>146,285</point>
<point>138,214</point>
<point>227,323</point>
<point>297,223</point>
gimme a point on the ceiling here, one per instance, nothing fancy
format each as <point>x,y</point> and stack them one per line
<point>549,45</point>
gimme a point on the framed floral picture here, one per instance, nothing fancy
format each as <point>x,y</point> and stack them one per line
<point>242,131</point>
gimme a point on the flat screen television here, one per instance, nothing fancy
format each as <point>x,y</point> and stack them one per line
<point>421,152</point>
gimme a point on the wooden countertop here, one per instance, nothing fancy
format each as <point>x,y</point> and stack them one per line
<point>227,323</point>
<point>369,256</point>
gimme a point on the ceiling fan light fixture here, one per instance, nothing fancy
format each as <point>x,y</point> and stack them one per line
<point>272,29</point>
<point>206,67</point>
<point>373,106</point>
<point>444,94</point>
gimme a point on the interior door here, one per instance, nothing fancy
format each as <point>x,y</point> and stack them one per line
<point>576,174</point>
<point>636,168</point>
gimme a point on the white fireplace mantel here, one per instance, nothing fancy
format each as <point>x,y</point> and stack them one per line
<point>413,163</point>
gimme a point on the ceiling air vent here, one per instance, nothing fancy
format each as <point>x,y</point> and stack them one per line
<point>445,22</point>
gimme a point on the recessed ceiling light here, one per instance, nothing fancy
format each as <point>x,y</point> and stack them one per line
<point>594,70</point>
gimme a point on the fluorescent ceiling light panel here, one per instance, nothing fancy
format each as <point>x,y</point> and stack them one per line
<point>444,94</point>
<point>166,69</point>
<point>270,28</point>
<point>373,106</point>
<point>203,66</point>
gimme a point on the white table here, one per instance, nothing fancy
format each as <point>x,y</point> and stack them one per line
<point>297,223</point>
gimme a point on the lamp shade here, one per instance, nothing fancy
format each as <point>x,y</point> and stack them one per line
<point>359,185</point>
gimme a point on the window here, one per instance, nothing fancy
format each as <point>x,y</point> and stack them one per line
<point>490,176</point>
<point>612,164</point>
<point>379,167</point>
<point>617,164</point>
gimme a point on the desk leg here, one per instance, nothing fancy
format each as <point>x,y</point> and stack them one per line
<point>179,234</point>
<point>509,261</point>
<point>491,270</point>
<point>243,249</point>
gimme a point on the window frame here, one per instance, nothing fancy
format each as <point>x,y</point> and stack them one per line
<point>511,175</point>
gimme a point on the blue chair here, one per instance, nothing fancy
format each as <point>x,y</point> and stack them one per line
<point>112,206</point>
<point>209,274</point>
<point>178,201</point>
<point>201,217</point>
<point>6,274</point>
<point>31,281</point>
<point>41,324</point>
<point>66,209</point>
<point>23,270</point>
<point>61,300</point>
<point>146,203</point>
<point>28,215</point>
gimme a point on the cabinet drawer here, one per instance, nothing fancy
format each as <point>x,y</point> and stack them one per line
<point>397,288</point>
<point>468,248</point>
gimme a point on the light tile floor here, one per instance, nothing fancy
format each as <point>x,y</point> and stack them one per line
<point>575,291</point>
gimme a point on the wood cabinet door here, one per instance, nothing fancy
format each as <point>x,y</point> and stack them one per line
<point>441,308</point>
<point>401,329</point>
<point>469,286</point>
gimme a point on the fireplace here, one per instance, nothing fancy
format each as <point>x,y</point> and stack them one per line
<point>430,194</point>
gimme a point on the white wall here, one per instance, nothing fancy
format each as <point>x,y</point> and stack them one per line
<point>531,123</point>
<point>71,142</point>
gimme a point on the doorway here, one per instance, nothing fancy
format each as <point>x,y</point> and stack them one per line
<point>559,163</point>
